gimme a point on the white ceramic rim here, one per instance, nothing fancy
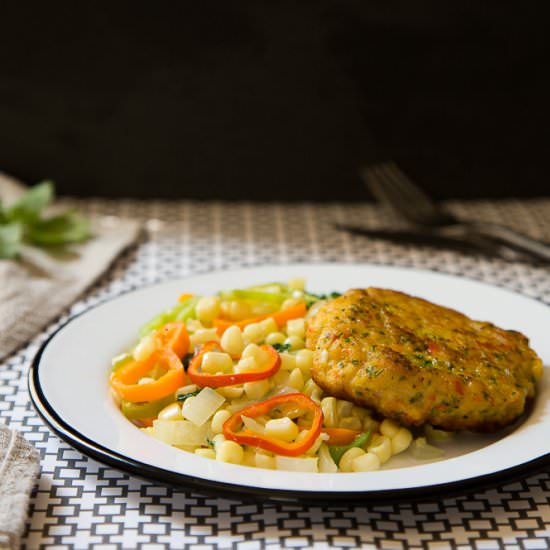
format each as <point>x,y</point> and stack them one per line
<point>62,392</point>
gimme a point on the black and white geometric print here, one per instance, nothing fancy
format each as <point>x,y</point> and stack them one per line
<point>80,503</point>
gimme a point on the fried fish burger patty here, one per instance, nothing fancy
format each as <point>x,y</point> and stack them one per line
<point>417,362</point>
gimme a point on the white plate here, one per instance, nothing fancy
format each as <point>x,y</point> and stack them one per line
<point>69,387</point>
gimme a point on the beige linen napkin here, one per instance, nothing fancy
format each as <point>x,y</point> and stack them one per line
<point>36,289</point>
<point>19,465</point>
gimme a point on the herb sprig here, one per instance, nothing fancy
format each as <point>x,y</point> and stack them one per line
<point>24,222</point>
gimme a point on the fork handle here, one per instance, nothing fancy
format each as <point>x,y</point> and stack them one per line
<point>512,239</point>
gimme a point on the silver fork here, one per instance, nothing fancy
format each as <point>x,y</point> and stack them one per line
<point>390,185</point>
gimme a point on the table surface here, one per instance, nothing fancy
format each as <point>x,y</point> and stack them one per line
<point>79,503</point>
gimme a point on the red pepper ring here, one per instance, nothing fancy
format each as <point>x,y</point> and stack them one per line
<point>248,437</point>
<point>218,380</point>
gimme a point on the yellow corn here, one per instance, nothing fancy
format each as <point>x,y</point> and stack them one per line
<point>215,361</point>
<point>275,338</point>
<point>328,406</point>
<point>346,462</point>
<point>366,462</point>
<point>401,441</point>
<point>229,451</point>
<point>281,428</point>
<point>257,389</point>
<point>208,308</point>
<point>218,421</point>
<point>296,327</point>
<point>296,379</point>
<point>232,341</point>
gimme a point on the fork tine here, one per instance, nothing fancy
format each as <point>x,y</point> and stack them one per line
<point>389,184</point>
<point>407,189</point>
<point>385,191</point>
<point>376,182</point>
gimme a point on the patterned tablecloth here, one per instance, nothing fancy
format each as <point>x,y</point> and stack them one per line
<point>80,503</point>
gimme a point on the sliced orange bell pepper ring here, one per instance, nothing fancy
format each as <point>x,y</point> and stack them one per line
<point>219,380</point>
<point>125,379</point>
<point>255,439</point>
<point>280,317</point>
<point>174,336</point>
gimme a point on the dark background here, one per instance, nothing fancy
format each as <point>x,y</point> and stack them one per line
<point>275,100</point>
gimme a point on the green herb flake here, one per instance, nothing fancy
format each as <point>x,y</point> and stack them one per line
<point>280,348</point>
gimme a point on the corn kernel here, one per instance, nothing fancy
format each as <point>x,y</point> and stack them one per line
<point>238,310</point>
<point>217,440</point>
<point>317,395</point>
<point>253,333</point>
<point>288,362</point>
<point>295,342</point>
<point>275,338</point>
<point>218,421</point>
<point>346,462</point>
<point>401,441</point>
<point>246,364</point>
<point>343,408</point>
<point>252,350</point>
<point>202,336</point>
<point>205,453</point>
<point>269,325</point>
<point>257,389</point>
<point>367,462</point>
<point>232,341</point>
<point>281,377</point>
<point>231,392</point>
<point>208,308</point>
<point>170,412</point>
<point>296,379</point>
<point>281,428</point>
<point>296,327</point>
<point>304,361</point>
<point>328,406</point>
<point>309,387</point>
<point>382,448</point>
<point>389,428</point>
<point>215,361</point>
<point>229,451</point>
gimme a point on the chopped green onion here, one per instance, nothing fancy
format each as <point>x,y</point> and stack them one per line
<point>180,312</point>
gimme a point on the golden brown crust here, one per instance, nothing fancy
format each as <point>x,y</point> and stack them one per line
<point>417,362</point>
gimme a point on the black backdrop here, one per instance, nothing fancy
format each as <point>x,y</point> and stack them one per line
<point>275,100</point>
